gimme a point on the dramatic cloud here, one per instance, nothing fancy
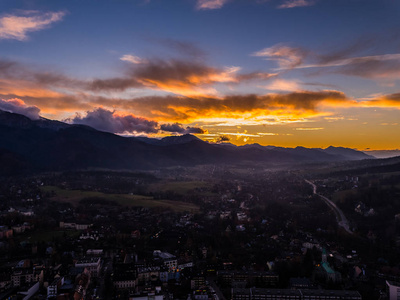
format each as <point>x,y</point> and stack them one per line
<point>179,128</point>
<point>106,120</point>
<point>287,57</point>
<point>296,3</point>
<point>389,101</point>
<point>18,26</point>
<point>189,78</point>
<point>19,107</point>
<point>189,109</point>
<point>210,4</point>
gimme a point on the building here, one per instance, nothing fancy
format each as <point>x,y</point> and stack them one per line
<point>125,276</point>
<point>28,292</point>
<point>154,294</point>
<point>93,264</point>
<point>77,226</point>
<point>52,289</point>
<point>393,290</point>
<point>308,294</point>
<point>147,274</point>
<point>253,278</point>
<point>300,283</point>
<point>197,282</point>
<point>5,232</point>
<point>168,259</point>
<point>94,252</point>
<point>326,272</point>
<point>127,282</point>
<point>290,294</point>
<point>21,277</point>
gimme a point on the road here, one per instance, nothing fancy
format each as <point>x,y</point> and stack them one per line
<point>340,217</point>
<point>213,286</point>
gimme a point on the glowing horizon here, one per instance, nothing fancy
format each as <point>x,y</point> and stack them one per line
<point>156,69</point>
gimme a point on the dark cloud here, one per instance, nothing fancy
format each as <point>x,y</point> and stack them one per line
<point>394,97</point>
<point>195,130</point>
<point>223,138</point>
<point>183,47</point>
<point>106,120</point>
<point>62,102</point>
<point>371,67</point>
<point>19,107</point>
<point>175,127</point>
<point>183,108</point>
<point>174,75</point>
<point>117,84</point>
<point>357,47</point>
<point>364,57</point>
<point>6,66</point>
<point>172,70</point>
<point>11,70</point>
<point>255,76</point>
<point>179,128</point>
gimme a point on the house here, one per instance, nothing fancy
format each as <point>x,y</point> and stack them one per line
<point>92,264</point>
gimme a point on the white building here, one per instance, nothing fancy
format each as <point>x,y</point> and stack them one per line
<point>394,290</point>
<point>93,264</point>
<point>169,260</point>
<point>29,292</point>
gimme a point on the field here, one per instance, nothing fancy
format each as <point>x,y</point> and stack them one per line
<point>181,187</point>
<point>48,235</point>
<point>75,196</point>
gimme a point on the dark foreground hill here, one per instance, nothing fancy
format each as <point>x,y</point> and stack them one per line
<point>39,145</point>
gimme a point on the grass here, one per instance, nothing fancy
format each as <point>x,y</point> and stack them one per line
<point>75,196</point>
<point>340,196</point>
<point>179,187</point>
<point>48,235</point>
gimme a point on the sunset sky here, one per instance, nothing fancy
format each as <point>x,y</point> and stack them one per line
<point>287,73</point>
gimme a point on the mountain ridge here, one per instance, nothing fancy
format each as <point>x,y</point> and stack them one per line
<point>53,145</point>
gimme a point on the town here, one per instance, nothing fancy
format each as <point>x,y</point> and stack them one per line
<point>211,232</point>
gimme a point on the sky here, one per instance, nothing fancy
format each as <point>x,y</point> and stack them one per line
<point>289,73</point>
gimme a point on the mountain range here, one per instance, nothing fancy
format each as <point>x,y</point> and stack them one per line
<point>41,145</point>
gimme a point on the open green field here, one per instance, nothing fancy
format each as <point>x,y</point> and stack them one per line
<point>342,195</point>
<point>74,196</point>
<point>179,187</point>
<point>48,235</point>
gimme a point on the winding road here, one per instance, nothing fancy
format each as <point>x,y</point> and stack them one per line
<point>340,217</point>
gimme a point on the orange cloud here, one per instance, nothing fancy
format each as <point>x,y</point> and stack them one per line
<point>390,101</point>
<point>189,109</point>
<point>189,78</point>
